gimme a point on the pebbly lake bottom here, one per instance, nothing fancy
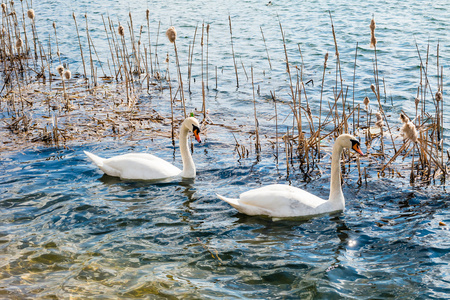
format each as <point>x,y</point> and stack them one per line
<point>66,230</point>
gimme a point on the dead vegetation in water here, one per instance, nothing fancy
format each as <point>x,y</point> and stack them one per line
<point>44,103</point>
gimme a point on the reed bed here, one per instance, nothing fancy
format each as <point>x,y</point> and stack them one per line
<point>83,107</point>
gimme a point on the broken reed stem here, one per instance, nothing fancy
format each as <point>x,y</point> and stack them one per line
<point>232,51</point>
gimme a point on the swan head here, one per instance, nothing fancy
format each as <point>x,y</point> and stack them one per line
<point>193,126</point>
<point>350,142</point>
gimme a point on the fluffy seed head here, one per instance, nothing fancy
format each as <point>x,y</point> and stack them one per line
<point>67,74</point>
<point>31,14</point>
<point>121,30</point>
<point>171,34</point>
<point>409,130</point>
<point>439,96</point>
<point>416,101</point>
<point>19,43</point>
<point>379,121</point>
<point>60,70</point>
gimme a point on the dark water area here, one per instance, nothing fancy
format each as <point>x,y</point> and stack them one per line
<point>68,231</point>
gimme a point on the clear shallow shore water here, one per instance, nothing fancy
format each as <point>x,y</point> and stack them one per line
<point>66,230</point>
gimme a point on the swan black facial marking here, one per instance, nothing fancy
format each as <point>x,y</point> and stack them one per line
<point>195,129</point>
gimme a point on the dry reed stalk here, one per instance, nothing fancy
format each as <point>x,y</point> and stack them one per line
<point>354,80</point>
<point>320,101</point>
<point>232,51</point>
<point>191,58</point>
<point>81,48</point>
<point>338,61</point>
<point>258,144</point>
<point>171,34</point>
<point>91,61</point>
<point>171,101</point>
<point>207,56</point>
<point>276,122</point>
<point>110,47</point>
<point>147,14</point>
<point>203,81</point>
<point>156,49</point>
<point>265,45</point>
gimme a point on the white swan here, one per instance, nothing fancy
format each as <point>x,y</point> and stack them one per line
<point>283,201</point>
<point>149,167</point>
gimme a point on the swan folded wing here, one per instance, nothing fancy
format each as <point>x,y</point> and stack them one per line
<point>282,200</point>
<point>139,166</point>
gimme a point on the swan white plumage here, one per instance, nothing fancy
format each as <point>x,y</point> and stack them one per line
<point>146,166</point>
<point>284,201</point>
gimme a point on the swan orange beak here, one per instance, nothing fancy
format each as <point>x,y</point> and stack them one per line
<point>357,148</point>
<point>197,134</point>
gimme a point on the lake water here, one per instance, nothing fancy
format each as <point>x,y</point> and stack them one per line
<point>68,231</point>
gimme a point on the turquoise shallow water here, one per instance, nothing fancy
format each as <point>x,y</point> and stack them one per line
<point>66,230</point>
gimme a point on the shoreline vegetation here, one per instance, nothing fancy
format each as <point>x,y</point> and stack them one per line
<point>44,103</point>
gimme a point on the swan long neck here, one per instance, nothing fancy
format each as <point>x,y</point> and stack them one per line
<point>336,194</point>
<point>188,162</point>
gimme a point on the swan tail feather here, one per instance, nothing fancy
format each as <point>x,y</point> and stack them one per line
<point>231,201</point>
<point>95,159</point>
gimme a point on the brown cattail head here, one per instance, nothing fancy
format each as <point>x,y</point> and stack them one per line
<point>326,59</point>
<point>67,74</point>
<point>121,30</point>
<point>4,7</point>
<point>171,34</point>
<point>416,101</point>
<point>439,96</point>
<point>54,25</point>
<point>31,14</point>
<point>19,43</point>
<point>147,13</point>
<point>60,70</point>
<point>379,121</point>
<point>366,102</point>
<point>372,87</point>
<point>373,39</point>
<point>372,26</point>
<point>167,58</point>
<point>207,28</point>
